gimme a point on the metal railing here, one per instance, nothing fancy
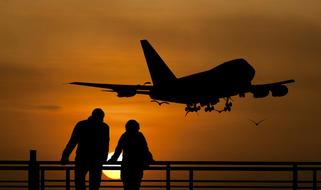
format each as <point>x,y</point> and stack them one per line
<point>172,175</point>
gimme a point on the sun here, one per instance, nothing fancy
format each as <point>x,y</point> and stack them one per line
<point>113,174</point>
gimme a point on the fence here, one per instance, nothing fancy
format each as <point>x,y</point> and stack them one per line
<point>198,175</point>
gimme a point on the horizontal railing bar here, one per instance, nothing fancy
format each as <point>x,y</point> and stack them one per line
<point>205,187</point>
<point>176,168</point>
<point>198,163</point>
<point>231,181</point>
<point>173,186</point>
<point>14,162</point>
<point>228,168</point>
<point>13,167</point>
<point>177,186</point>
<point>233,168</point>
<point>251,187</point>
<point>16,186</point>
<point>13,181</point>
<point>195,181</point>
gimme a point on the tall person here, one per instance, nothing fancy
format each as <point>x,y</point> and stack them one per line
<point>92,137</point>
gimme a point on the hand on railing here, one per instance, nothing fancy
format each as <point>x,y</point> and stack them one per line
<point>111,161</point>
<point>64,160</point>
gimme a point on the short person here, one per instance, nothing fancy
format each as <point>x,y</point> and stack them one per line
<point>136,155</point>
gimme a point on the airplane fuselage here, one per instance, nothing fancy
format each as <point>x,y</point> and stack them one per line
<point>227,79</point>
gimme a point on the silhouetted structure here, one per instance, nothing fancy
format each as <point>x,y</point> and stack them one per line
<point>136,156</point>
<point>92,138</point>
<point>203,89</point>
<point>239,175</point>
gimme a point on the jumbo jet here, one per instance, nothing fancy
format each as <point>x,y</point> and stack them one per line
<point>204,89</point>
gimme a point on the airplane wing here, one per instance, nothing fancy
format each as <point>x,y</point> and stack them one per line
<point>278,89</point>
<point>122,90</point>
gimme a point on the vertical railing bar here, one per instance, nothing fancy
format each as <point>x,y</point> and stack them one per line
<point>315,180</point>
<point>42,179</point>
<point>295,177</point>
<point>191,179</point>
<point>168,176</point>
<point>67,179</point>
<point>33,171</point>
<point>31,177</point>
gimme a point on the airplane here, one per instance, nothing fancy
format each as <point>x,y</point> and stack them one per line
<point>204,89</point>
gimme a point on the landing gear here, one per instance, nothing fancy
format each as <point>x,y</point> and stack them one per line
<point>192,108</point>
<point>227,106</point>
<point>209,108</point>
<point>195,108</point>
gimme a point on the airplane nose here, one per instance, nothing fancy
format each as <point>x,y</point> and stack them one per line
<point>249,71</point>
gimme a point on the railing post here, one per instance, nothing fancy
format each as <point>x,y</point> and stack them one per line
<point>67,179</point>
<point>191,179</point>
<point>315,180</point>
<point>33,171</point>
<point>295,177</point>
<point>168,176</point>
<point>42,179</point>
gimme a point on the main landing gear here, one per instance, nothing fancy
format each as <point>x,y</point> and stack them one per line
<point>194,107</point>
<point>227,106</point>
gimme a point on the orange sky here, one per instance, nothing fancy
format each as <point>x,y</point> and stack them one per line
<point>45,44</point>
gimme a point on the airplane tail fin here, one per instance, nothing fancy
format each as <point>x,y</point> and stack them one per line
<point>159,71</point>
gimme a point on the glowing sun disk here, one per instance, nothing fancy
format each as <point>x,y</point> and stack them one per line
<point>113,174</point>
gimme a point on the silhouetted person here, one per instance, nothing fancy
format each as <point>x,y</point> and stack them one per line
<point>136,156</point>
<point>92,138</point>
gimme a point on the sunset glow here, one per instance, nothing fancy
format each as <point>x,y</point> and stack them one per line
<point>47,44</point>
<point>113,174</point>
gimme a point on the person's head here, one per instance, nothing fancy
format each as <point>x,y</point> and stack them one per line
<point>98,114</point>
<point>132,126</point>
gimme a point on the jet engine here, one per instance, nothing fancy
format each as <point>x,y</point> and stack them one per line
<point>126,92</point>
<point>260,92</point>
<point>279,91</point>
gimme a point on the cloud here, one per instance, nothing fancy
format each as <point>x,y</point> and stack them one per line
<point>19,79</point>
<point>48,107</point>
<point>15,70</point>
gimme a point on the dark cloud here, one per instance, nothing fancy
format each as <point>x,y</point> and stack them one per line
<point>49,107</point>
<point>23,77</point>
<point>15,71</point>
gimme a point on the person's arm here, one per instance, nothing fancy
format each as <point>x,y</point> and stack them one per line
<point>148,155</point>
<point>70,145</point>
<point>118,150</point>
<point>106,148</point>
